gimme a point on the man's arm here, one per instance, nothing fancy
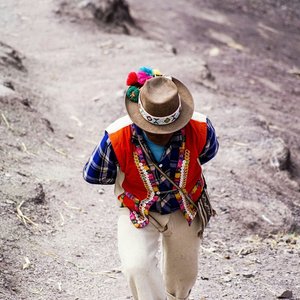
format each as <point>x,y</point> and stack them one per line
<point>102,165</point>
<point>212,145</point>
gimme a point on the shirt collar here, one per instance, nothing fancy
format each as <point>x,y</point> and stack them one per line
<point>137,134</point>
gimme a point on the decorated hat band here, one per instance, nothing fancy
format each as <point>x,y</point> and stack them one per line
<point>159,120</point>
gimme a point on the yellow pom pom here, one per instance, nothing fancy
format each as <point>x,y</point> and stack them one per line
<point>156,72</point>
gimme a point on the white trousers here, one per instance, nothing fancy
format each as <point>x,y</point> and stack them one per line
<point>138,253</point>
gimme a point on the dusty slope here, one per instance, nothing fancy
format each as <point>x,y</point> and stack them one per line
<point>73,84</point>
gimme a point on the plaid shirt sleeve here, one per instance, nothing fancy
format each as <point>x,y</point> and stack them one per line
<point>102,165</point>
<point>212,145</point>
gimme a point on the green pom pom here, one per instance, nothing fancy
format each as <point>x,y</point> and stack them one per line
<point>133,94</point>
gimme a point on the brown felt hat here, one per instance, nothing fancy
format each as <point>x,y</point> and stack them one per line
<point>165,105</point>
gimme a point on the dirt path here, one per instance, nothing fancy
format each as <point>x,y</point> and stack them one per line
<point>74,85</point>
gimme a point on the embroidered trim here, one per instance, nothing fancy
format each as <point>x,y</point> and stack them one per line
<point>181,173</point>
<point>159,120</point>
<point>140,218</point>
<point>135,200</point>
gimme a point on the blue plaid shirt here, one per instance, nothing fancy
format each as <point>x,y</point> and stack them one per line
<point>102,166</point>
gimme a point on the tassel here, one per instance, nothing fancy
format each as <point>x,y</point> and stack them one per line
<point>132,79</point>
<point>156,72</point>
<point>147,70</point>
<point>133,94</point>
<point>142,77</point>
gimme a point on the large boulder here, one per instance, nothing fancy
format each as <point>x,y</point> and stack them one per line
<point>110,15</point>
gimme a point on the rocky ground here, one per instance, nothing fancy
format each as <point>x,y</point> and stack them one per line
<point>63,66</point>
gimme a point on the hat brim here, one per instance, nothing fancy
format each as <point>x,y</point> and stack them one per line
<point>187,110</point>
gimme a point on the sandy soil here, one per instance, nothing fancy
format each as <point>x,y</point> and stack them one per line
<point>62,80</point>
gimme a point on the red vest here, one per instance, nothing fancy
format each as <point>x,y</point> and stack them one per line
<point>135,185</point>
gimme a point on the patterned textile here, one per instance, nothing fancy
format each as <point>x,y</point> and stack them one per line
<point>102,166</point>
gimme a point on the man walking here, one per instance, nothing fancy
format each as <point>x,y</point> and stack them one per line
<point>154,155</point>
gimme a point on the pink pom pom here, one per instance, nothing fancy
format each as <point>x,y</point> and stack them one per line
<point>142,77</point>
<point>132,79</point>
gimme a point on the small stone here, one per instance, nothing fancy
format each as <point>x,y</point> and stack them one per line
<point>248,275</point>
<point>281,155</point>
<point>227,279</point>
<point>170,48</point>
<point>286,295</point>
<point>83,4</point>
<point>6,91</point>
<point>101,191</point>
<point>291,251</point>
<point>9,84</point>
<point>245,251</point>
<point>256,260</point>
<point>214,51</point>
<point>39,196</point>
<point>70,136</point>
<point>10,202</point>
